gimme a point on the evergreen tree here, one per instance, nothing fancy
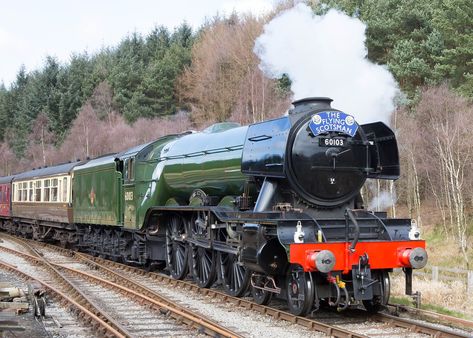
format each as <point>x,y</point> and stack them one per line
<point>19,125</point>
<point>4,116</point>
<point>423,42</point>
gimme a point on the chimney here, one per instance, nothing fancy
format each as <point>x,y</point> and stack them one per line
<point>310,103</point>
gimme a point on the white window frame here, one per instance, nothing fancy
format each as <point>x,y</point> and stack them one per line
<point>21,190</point>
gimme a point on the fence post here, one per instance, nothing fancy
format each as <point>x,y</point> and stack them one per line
<point>435,273</point>
<point>469,285</point>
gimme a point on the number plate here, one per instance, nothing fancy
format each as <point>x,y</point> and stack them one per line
<point>332,142</point>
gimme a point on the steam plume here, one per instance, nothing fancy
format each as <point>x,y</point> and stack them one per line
<point>382,201</point>
<point>326,56</point>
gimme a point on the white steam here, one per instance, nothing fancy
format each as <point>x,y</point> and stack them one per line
<point>382,201</point>
<point>326,56</point>
<point>381,198</point>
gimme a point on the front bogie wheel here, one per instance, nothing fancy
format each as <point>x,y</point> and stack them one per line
<point>261,297</point>
<point>259,291</point>
<point>300,291</point>
<point>381,300</point>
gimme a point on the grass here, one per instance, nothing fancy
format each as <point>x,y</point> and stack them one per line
<point>438,296</point>
<point>443,297</point>
<point>399,300</point>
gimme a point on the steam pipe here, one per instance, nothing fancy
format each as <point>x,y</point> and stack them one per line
<point>349,213</point>
<point>265,195</point>
<point>338,295</point>
<point>344,305</point>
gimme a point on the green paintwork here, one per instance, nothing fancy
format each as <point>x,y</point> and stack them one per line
<point>97,187</point>
<point>167,171</point>
<point>145,189</point>
<point>207,161</point>
<point>164,172</point>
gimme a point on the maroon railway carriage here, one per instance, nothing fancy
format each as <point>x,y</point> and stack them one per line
<point>5,196</point>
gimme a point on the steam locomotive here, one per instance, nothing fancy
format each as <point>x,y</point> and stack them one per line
<point>273,208</point>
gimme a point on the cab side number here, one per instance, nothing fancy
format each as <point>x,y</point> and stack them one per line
<point>129,196</point>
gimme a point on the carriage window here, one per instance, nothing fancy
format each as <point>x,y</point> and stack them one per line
<point>46,190</point>
<point>25,192</point>
<point>13,193</point>
<point>37,195</point>
<point>54,189</point>
<point>64,189</point>
<point>1,195</point>
<point>31,192</point>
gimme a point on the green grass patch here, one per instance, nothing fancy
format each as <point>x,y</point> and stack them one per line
<point>401,301</point>
<point>406,301</point>
<point>444,311</point>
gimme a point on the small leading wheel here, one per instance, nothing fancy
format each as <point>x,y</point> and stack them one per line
<point>176,247</point>
<point>261,297</point>
<point>379,301</point>
<point>300,291</point>
<point>235,277</point>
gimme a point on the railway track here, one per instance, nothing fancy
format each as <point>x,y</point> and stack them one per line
<point>98,324</point>
<point>310,323</point>
<point>434,317</point>
<point>133,316</point>
<point>335,325</point>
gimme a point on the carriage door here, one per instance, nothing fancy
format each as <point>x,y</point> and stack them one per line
<point>129,193</point>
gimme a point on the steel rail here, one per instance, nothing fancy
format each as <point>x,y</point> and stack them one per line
<point>433,316</point>
<point>309,323</point>
<point>191,319</point>
<point>417,327</point>
<point>204,323</point>
<point>332,331</point>
<point>278,314</point>
<point>72,289</point>
<point>101,327</point>
<point>175,311</point>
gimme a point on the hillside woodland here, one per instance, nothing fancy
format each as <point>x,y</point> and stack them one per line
<point>170,81</point>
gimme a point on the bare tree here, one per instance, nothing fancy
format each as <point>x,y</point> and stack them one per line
<point>40,141</point>
<point>446,135</point>
<point>224,81</point>
<point>8,160</point>
<point>409,148</point>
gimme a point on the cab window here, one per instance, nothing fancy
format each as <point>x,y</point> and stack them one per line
<point>129,172</point>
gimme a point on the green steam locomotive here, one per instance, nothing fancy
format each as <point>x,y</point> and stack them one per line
<point>273,208</point>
